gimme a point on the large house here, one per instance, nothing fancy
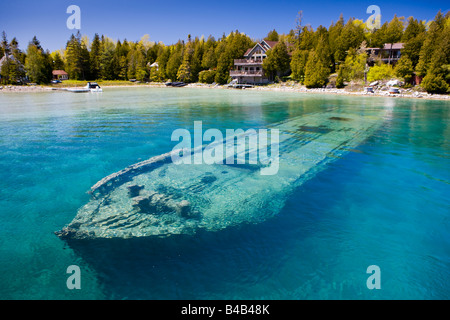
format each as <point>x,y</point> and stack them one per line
<point>390,53</point>
<point>249,70</point>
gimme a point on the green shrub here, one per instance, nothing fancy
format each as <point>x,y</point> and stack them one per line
<point>434,83</point>
<point>382,72</point>
<point>207,76</point>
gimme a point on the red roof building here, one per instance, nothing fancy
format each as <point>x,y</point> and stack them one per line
<point>60,75</point>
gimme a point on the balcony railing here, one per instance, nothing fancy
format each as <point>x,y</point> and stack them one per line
<point>242,73</point>
<point>248,62</point>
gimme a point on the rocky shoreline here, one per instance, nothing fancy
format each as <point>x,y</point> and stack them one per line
<point>404,93</point>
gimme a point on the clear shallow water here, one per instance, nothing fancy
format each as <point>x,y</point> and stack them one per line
<point>385,203</point>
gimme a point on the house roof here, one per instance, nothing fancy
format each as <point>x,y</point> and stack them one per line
<point>393,46</point>
<point>10,57</point>
<point>266,45</point>
<point>59,72</point>
<point>259,44</point>
<point>271,44</point>
<point>390,46</point>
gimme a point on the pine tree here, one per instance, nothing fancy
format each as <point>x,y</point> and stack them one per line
<point>12,70</point>
<point>57,61</point>
<point>354,65</point>
<point>106,58</point>
<point>413,39</point>
<point>272,36</point>
<point>298,64</point>
<point>404,68</point>
<point>175,61</point>
<point>316,72</point>
<point>137,62</point>
<point>197,57</point>
<point>278,61</point>
<point>77,58</point>
<point>352,34</point>
<point>95,57</point>
<point>5,44</point>
<point>185,70</point>
<point>394,33</point>
<point>335,41</point>
<point>378,37</point>
<point>340,78</point>
<point>37,63</point>
<point>431,44</point>
<point>229,48</point>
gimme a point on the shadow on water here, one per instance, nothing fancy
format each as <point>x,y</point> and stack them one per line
<point>181,266</point>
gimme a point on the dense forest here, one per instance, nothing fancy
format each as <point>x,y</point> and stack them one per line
<point>308,56</point>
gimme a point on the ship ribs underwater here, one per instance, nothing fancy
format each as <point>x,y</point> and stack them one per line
<point>159,198</point>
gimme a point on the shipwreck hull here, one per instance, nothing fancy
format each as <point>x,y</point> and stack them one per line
<point>157,198</point>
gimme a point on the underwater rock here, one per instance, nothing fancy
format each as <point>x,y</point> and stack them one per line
<point>135,190</point>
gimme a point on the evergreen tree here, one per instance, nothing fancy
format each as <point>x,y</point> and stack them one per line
<point>185,70</point>
<point>197,57</point>
<point>95,57</point>
<point>298,64</point>
<point>378,37</point>
<point>38,63</point>
<point>413,39</point>
<point>278,61</point>
<point>404,68</point>
<point>434,83</point>
<point>316,71</point>
<point>336,42</point>
<point>354,65</point>
<point>230,47</point>
<point>307,39</point>
<point>352,34</point>
<point>431,44</point>
<point>16,52</point>
<point>106,58</point>
<point>5,44</point>
<point>175,61</point>
<point>57,61</point>
<point>12,70</point>
<point>77,58</point>
<point>137,62</point>
<point>394,33</point>
<point>340,78</point>
<point>272,36</point>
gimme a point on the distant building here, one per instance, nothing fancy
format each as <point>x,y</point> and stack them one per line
<point>154,65</point>
<point>390,53</point>
<point>60,75</point>
<point>249,70</point>
<point>19,68</point>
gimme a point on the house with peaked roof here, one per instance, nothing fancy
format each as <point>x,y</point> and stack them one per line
<point>60,75</point>
<point>249,70</point>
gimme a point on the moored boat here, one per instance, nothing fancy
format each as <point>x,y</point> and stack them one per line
<point>394,90</point>
<point>176,84</point>
<point>93,87</point>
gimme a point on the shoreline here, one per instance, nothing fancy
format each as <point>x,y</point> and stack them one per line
<point>271,88</point>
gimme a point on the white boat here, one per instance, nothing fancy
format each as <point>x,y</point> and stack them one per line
<point>94,87</point>
<point>393,90</point>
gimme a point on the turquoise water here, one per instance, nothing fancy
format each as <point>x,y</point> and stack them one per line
<point>383,203</point>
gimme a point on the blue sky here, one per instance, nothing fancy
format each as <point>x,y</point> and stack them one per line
<point>170,20</point>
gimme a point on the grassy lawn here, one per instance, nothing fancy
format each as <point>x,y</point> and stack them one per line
<point>102,83</point>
